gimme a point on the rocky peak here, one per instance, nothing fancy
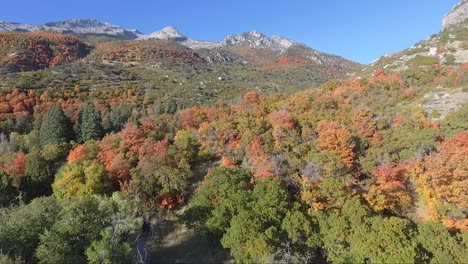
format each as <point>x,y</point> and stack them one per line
<point>75,27</point>
<point>168,33</point>
<point>456,16</point>
<point>76,23</point>
<point>256,39</point>
<point>6,26</point>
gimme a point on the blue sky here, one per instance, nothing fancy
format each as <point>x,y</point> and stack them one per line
<point>361,30</point>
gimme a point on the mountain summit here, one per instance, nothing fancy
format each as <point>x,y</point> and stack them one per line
<point>168,33</point>
<point>255,39</point>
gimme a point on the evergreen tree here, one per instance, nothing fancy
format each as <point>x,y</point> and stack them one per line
<point>24,124</point>
<point>90,123</point>
<point>56,127</point>
<point>7,191</point>
<point>117,118</point>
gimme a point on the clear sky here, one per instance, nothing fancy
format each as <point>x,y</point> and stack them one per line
<point>361,30</point>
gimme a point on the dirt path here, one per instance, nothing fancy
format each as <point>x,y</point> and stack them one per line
<point>172,242</point>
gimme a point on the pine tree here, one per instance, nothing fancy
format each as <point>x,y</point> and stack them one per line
<point>90,123</point>
<point>56,127</point>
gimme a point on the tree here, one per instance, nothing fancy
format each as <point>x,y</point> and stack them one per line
<point>81,179</point>
<point>390,193</point>
<point>334,138</point>
<point>253,220</point>
<point>39,176</point>
<point>56,127</point>
<point>17,169</point>
<point>117,118</point>
<point>24,124</point>
<point>115,244</point>
<point>442,180</point>
<point>186,146</point>
<point>439,245</point>
<point>7,191</point>
<point>90,123</point>
<point>79,222</point>
<point>94,229</point>
<point>21,227</point>
<point>5,259</point>
<point>354,235</point>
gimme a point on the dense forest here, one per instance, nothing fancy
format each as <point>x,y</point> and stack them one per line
<point>148,151</point>
<point>354,171</point>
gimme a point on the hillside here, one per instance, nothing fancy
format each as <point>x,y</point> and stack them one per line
<point>254,149</point>
<point>456,16</point>
<point>35,51</point>
<point>448,47</point>
<point>170,71</point>
<point>362,152</point>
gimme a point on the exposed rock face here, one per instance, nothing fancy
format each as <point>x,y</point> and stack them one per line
<point>11,26</point>
<point>168,33</point>
<point>255,39</point>
<point>458,15</point>
<point>171,33</point>
<point>74,27</point>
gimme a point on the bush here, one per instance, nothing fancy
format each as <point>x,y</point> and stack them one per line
<point>423,61</point>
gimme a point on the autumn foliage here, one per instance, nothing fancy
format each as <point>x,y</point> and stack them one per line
<point>334,138</point>
<point>443,178</point>
<point>390,192</point>
<point>38,50</point>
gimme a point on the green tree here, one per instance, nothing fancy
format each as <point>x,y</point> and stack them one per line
<point>90,123</point>
<point>91,228</point>
<point>440,246</point>
<point>115,244</point>
<point>117,118</point>
<point>39,176</point>
<point>5,259</point>
<point>21,227</point>
<point>355,235</point>
<point>7,191</point>
<point>56,127</point>
<point>24,124</point>
<point>253,221</point>
<point>79,222</point>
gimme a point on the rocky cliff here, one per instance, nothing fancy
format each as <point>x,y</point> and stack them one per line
<point>456,16</point>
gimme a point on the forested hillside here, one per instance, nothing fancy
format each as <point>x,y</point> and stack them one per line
<point>250,150</point>
<point>351,171</point>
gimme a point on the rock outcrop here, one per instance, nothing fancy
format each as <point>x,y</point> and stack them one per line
<point>458,15</point>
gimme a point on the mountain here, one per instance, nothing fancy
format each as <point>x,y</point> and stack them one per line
<point>171,33</point>
<point>251,47</point>
<point>169,64</point>
<point>75,27</point>
<point>448,47</point>
<point>256,49</point>
<point>456,16</point>
<point>253,39</point>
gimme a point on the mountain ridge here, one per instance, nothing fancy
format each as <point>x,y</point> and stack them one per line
<point>74,27</point>
<point>253,38</point>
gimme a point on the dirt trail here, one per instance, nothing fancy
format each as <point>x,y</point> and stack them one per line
<point>172,242</point>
